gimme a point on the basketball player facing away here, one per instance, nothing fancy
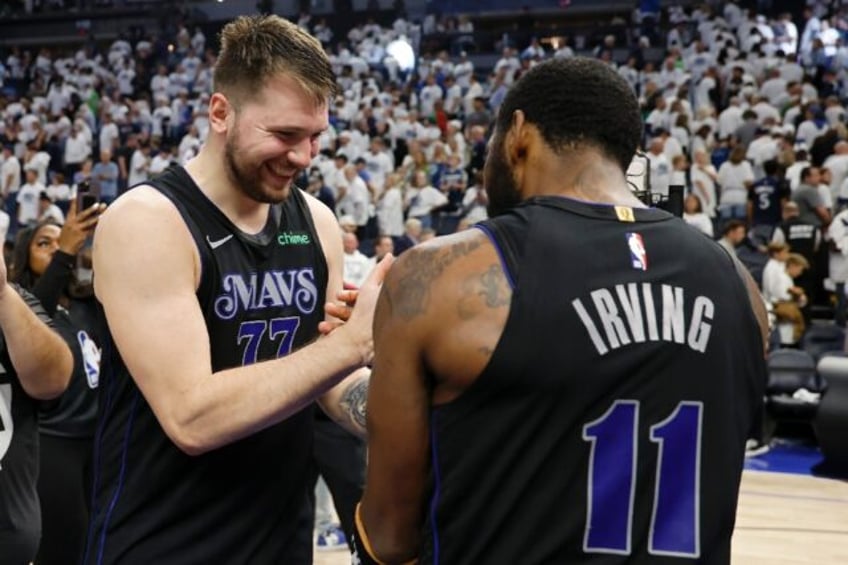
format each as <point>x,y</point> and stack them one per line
<point>574,381</point>
<point>207,275</point>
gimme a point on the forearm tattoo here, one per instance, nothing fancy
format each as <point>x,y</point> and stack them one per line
<point>353,401</point>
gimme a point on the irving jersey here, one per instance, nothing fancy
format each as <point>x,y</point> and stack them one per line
<point>262,296</point>
<point>609,426</point>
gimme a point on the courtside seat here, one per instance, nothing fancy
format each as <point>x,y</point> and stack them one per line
<point>823,338</point>
<point>793,389</point>
<point>831,422</point>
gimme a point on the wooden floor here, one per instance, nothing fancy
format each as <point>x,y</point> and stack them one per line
<point>783,519</point>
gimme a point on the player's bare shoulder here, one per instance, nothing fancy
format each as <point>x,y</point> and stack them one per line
<point>142,207</point>
<point>448,274</point>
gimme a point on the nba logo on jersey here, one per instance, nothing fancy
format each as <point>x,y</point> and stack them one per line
<point>638,255</point>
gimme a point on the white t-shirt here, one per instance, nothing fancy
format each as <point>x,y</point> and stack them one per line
<point>356,268</point>
<point>732,179</point>
<point>421,201</point>
<point>139,163</point>
<point>390,213</point>
<point>59,192</point>
<point>39,162</point>
<point>776,282</point>
<point>28,202</point>
<point>11,167</point>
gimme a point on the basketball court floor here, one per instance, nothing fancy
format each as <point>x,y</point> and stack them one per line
<point>788,513</point>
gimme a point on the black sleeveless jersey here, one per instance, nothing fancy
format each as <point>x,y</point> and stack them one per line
<point>20,512</point>
<point>609,426</point>
<point>262,296</point>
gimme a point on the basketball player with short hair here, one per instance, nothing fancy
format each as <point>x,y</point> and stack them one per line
<point>207,275</point>
<point>573,381</point>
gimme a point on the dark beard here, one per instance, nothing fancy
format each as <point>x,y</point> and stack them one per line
<point>500,184</point>
<point>248,182</point>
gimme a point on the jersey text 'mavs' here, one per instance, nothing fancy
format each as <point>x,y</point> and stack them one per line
<point>271,289</point>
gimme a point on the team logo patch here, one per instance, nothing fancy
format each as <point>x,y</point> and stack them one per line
<point>638,254</point>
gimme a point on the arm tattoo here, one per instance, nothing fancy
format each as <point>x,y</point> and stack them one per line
<point>416,275</point>
<point>353,401</point>
<point>487,290</point>
<point>495,291</point>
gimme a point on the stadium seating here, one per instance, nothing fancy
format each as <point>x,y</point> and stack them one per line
<point>793,389</point>
<point>831,422</point>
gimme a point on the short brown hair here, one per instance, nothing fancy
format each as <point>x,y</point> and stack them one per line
<point>255,48</point>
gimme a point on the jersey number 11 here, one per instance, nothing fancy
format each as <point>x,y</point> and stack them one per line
<point>675,524</point>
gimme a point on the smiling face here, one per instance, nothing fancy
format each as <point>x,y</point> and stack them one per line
<point>273,138</point>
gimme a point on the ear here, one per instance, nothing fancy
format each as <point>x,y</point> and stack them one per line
<point>220,113</point>
<point>516,140</point>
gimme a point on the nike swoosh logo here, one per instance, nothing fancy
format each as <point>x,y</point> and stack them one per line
<point>218,242</point>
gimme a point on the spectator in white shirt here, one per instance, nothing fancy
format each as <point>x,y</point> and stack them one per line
<point>837,164</point>
<point>58,190</point>
<point>793,172</point>
<point>421,198</point>
<point>109,134</point>
<point>356,264</point>
<point>47,210</point>
<point>429,95</point>
<point>27,199</point>
<point>378,163</point>
<point>139,164</point>
<point>10,173</point>
<point>694,215</point>
<point>735,176</point>
<point>354,200</point>
<point>77,149</point>
<point>779,288</point>
<point>37,160</point>
<point>390,207</point>
<point>163,159</point>
<point>703,176</point>
<point>660,167</point>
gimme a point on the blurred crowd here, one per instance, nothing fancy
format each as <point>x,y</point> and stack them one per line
<point>744,110</point>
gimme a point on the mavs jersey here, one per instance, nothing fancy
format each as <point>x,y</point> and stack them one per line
<point>262,296</point>
<point>609,426</point>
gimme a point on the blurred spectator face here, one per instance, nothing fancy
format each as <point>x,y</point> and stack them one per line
<point>383,246</point>
<point>349,242</point>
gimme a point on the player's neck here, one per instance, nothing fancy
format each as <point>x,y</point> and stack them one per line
<point>583,175</point>
<point>209,172</point>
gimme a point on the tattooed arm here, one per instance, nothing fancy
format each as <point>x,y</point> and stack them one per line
<point>345,403</point>
<point>438,319</point>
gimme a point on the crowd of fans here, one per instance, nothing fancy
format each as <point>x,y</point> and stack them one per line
<point>745,110</point>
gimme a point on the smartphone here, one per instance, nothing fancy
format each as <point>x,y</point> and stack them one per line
<point>86,198</point>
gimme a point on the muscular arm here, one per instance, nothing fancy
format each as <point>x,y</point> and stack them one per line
<point>345,402</point>
<point>41,358</point>
<point>438,319</point>
<point>147,274</point>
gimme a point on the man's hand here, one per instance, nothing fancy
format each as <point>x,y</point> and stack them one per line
<point>341,309</point>
<point>361,320</point>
